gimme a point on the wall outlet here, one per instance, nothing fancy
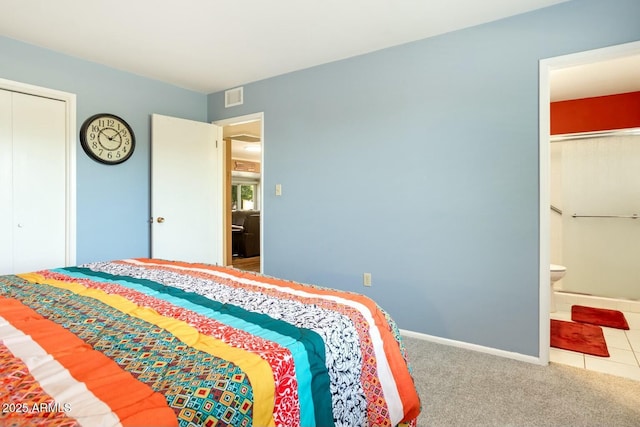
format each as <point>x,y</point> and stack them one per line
<point>278,189</point>
<point>366,279</point>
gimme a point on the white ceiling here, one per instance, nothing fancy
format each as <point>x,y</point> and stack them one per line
<point>212,45</point>
<point>618,75</point>
<point>239,146</point>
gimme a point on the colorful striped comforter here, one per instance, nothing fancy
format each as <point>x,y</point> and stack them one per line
<point>147,342</point>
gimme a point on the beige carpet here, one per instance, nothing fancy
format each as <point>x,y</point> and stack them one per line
<point>466,388</point>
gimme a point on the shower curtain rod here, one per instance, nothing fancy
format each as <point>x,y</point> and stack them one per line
<point>597,134</point>
<point>632,216</point>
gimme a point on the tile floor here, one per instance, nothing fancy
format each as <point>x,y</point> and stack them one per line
<point>623,345</point>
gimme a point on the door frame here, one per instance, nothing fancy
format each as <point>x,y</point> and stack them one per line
<point>69,100</point>
<point>546,66</point>
<point>226,174</point>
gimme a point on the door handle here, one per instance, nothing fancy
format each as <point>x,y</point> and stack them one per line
<point>160,219</point>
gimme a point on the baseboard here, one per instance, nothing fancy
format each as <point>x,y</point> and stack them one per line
<point>474,347</point>
<point>565,299</point>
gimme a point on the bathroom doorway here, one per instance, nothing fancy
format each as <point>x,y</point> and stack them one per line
<point>549,69</point>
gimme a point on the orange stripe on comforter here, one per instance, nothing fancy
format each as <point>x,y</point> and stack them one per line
<point>132,401</point>
<point>403,380</point>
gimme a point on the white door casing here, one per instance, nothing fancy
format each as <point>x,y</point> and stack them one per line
<point>236,121</point>
<point>186,196</point>
<point>545,68</point>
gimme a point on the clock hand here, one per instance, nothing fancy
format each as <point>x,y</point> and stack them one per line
<point>118,133</point>
<point>110,138</point>
<point>109,145</point>
<point>102,132</point>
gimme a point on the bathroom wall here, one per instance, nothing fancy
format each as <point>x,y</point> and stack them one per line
<point>616,111</point>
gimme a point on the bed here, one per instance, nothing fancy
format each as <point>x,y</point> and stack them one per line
<point>149,342</point>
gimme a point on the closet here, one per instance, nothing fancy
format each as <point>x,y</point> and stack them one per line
<point>33,182</point>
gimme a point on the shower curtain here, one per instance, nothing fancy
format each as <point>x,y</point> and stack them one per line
<point>600,196</point>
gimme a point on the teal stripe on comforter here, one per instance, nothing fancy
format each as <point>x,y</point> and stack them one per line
<point>285,334</point>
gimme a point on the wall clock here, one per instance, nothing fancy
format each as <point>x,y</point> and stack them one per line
<point>107,138</point>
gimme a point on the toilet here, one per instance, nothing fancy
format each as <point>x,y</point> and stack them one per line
<point>557,273</point>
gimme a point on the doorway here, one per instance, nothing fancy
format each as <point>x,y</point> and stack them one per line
<point>243,208</point>
<point>546,68</point>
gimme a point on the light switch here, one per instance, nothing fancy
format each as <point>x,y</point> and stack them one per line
<point>366,279</point>
<point>278,189</point>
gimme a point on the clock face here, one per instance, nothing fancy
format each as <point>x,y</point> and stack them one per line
<point>107,138</point>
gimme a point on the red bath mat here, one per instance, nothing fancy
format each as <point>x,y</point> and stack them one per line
<point>599,316</point>
<point>578,337</point>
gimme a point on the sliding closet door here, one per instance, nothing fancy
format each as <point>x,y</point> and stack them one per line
<point>6,179</point>
<point>34,218</point>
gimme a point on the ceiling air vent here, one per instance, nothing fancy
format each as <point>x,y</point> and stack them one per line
<point>233,97</point>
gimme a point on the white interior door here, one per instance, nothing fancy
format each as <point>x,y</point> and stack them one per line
<point>186,196</point>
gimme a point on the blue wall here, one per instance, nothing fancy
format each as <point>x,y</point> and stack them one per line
<point>419,164</point>
<point>448,230</point>
<point>112,201</point>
